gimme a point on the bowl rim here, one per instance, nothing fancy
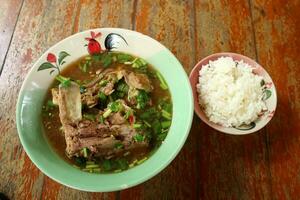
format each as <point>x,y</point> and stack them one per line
<point>197,108</point>
<point>143,178</point>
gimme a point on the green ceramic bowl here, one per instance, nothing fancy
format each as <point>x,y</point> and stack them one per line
<point>34,88</point>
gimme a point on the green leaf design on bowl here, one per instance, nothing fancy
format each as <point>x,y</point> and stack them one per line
<point>246,127</point>
<point>51,58</point>
<point>46,65</point>
<point>62,56</point>
<point>266,94</point>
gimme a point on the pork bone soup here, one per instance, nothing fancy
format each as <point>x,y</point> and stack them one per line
<point>107,112</point>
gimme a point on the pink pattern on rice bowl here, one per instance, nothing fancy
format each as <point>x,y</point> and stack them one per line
<point>270,95</point>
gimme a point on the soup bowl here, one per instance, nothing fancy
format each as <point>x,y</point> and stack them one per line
<point>32,94</point>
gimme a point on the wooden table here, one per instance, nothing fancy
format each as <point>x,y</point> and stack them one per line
<point>211,165</point>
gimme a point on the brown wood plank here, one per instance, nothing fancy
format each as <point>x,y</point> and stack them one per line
<point>171,23</point>
<point>41,24</point>
<point>277,30</point>
<point>19,177</point>
<point>8,18</point>
<point>211,165</point>
<point>231,167</point>
<point>93,14</point>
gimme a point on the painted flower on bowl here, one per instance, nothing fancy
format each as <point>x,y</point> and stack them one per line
<point>52,62</point>
<point>94,46</point>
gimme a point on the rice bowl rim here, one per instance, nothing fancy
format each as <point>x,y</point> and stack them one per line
<point>271,102</point>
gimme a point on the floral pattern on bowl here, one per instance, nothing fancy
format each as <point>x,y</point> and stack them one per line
<point>54,60</point>
<point>93,48</point>
<point>270,96</point>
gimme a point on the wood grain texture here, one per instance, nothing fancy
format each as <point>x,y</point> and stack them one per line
<point>231,167</point>
<point>88,15</point>
<point>171,23</point>
<point>9,11</point>
<point>41,24</point>
<point>20,179</point>
<point>211,165</point>
<point>277,30</point>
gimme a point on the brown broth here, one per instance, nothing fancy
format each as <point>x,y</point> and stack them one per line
<point>52,122</point>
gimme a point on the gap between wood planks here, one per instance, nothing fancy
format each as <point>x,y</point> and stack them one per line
<point>11,37</point>
<point>198,179</point>
<point>266,135</point>
<point>266,138</point>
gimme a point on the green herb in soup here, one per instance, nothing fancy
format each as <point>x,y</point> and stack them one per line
<point>107,112</point>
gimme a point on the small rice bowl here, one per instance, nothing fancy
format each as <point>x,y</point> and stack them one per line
<point>230,93</point>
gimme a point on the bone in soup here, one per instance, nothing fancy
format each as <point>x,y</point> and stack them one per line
<point>107,112</point>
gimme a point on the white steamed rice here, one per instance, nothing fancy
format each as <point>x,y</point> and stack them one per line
<point>229,93</point>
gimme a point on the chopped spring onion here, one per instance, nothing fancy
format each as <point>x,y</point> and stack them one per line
<point>122,87</point>
<point>84,66</point>
<point>50,103</point>
<point>90,162</point>
<point>138,63</point>
<point>115,106</point>
<point>127,114</point>
<point>147,124</point>
<point>163,83</point>
<point>110,98</point>
<point>133,163</point>
<point>101,119</point>
<point>138,138</point>
<point>164,104</point>
<point>122,163</point>
<point>149,114</point>
<point>76,166</point>
<point>142,99</point>
<point>130,63</point>
<point>119,145</point>
<point>124,58</point>
<point>107,113</point>
<point>166,124</point>
<point>112,107</point>
<point>156,127</point>
<point>103,83</point>
<point>97,170</point>
<point>79,82</point>
<point>88,58</point>
<point>85,152</point>
<point>65,82</point>
<point>162,136</point>
<point>141,161</point>
<point>102,96</point>
<point>106,59</point>
<point>142,61</point>
<point>137,125</point>
<point>106,165</point>
<point>166,115</point>
<point>89,117</point>
<point>92,166</point>
<point>164,130</point>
